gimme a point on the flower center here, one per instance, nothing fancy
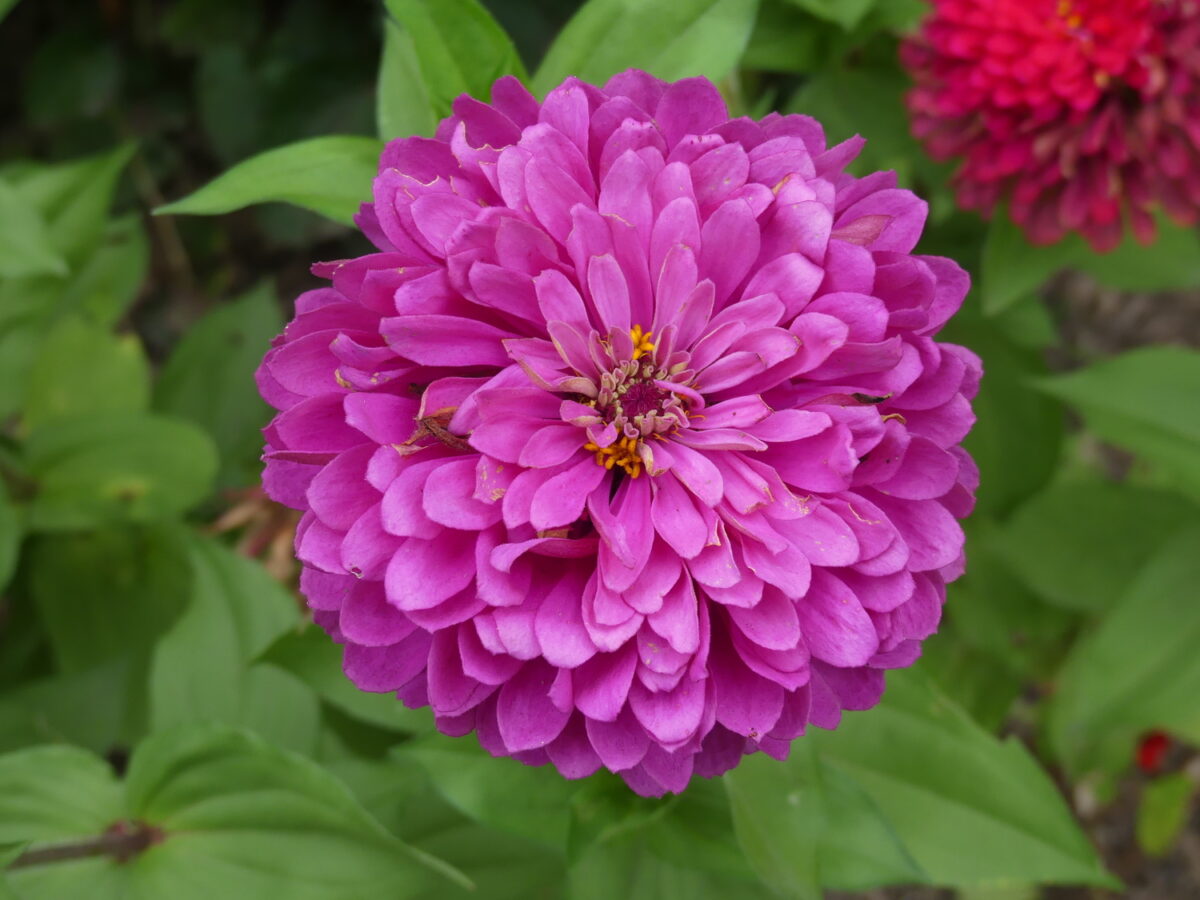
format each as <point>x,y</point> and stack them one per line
<point>636,399</point>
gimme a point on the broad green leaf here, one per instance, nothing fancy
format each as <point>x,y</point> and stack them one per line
<point>27,307</point>
<point>116,467</point>
<point>108,593</point>
<point>9,852</point>
<point>312,657</point>
<point>56,795</point>
<point>107,282</point>
<point>900,15</point>
<point>12,529</point>
<point>402,103</point>
<point>969,809</point>
<point>25,246</point>
<point>669,38</point>
<point>245,819</point>
<point>1012,268</point>
<point>696,831</point>
<point>1017,438</point>
<point>684,846</point>
<point>1145,401</point>
<point>329,175</point>
<point>785,39</point>
<point>625,868</point>
<point>92,708</point>
<point>807,825</point>
<point>1138,670</point>
<point>201,669</point>
<point>234,817</point>
<point>501,793</point>
<point>878,114</point>
<point>1163,812</point>
<point>82,368</point>
<point>52,793</point>
<point>846,13</point>
<point>1080,545</point>
<point>502,866</point>
<point>459,48</point>
<point>979,681</point>
<point>209,380</point>
<point>1171,262</point>
<point>995,611</point>
<point>75,198</point>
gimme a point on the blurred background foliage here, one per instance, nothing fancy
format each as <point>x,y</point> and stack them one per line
<point>160,691</point>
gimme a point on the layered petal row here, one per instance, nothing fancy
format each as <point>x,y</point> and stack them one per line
<point>632,446</point>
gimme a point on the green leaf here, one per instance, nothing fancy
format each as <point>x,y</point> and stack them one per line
<point>75,198</point>
<point>459,48</point>
<point>329,175</point>
<point>245,819</point>
<point>1138,670</point>
<point>59,795</point>
<point>996,612</point>
<point>669,38</point>
<point>9,852</point>
<point>209,380</point>
<point>970,810</point>
<point>53,793</point>
<point>502,793</point>
<point>107,593</point>
<point>1163,812</point>
<point>99,708</point>
<point>201,669</point>
<point>846,13</point>
<point>402,103</point>
<point>696,831</point>
<point>234,818</point>
<point>25,246</point>
<point>810,826</point>
<point>312,657</point>
<point>116,467</point>
<point>1145,401</point>
<point>1013,268</point>
<point>785,39</point>
<point>1080,545</point>
<point>82,369</point>
<point>12,530</point>
<point>1172,262</point>
<point>1017,438</point>
<point>627,869</point>
<point>501,866</point>
<point>107,282</point>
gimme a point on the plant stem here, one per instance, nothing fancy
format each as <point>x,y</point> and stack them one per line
<point>122,842</point>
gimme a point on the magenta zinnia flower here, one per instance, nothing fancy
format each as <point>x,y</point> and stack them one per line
<point>632,447</point>
<point>1080,113</point>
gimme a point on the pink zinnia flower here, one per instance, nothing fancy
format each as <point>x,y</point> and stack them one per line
<point>1078,112</point>
<point>632,447</point>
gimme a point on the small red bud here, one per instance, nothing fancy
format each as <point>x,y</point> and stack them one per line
<point>1152,750</point>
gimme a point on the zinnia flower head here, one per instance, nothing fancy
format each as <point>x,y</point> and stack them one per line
<point>1080,113</point>
<point>632,446</point>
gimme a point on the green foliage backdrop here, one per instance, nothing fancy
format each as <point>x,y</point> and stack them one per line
<point>171,725</point>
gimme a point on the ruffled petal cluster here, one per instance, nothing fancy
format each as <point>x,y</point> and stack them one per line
<point>1083,115</point>
<point>632,447</point>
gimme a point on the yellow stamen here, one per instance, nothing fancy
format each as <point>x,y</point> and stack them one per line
<point>642,343</point>
<point>622,453</point>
